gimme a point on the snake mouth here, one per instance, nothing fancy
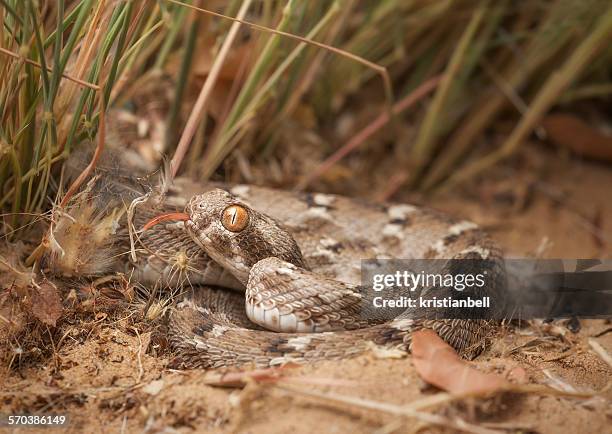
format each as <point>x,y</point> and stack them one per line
<point>236,267</point>
<point>198,236</point>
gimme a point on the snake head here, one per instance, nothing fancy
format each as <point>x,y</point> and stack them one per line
<point>235,235</point>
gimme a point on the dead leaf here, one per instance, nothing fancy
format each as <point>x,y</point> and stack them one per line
<point>46,303</point>
<point>439,364</point>
<point>218,102</point>
<point>572,132</point>
<point>232,65</point>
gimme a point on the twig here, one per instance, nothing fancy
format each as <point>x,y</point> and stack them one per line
<point>557,383</point>
<point>394,184</point>
<point>139,356</point>
<point>511,426</point>
<point>546,97</point>
<point>392,409</point>
<point>130,223</point>
<point>603,332</point>
<point>510,93</point>
<point>430,130</point>
<point>181,83</point>
<point>53,347</point>
<point>240,378</point>
<point>405,103</point>
<point>601,352</point>
<point>50,69</point>
<point>254,93</point>
<point>200,105</point>
<point>379,69</point>
<point>561,356</point>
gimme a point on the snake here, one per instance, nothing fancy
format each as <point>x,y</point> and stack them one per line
<point>266,276</point>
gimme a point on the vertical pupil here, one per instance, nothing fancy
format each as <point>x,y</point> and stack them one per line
<point>235,218</point>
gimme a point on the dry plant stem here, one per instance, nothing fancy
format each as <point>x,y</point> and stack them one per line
<point>379,69</point>
<point>221,148</point>
<point>601,351</point>
<point>182,81</point>
<point>397,410</point>
<point>139,357</point>
<point>587,91</point>
<point>394,184</point>
<point>539,51</point>
<point>94,160</point>
<point>405,103</point>
<point>49,68</point>
<point>91,41</point>
<point>511,94</point>
<point>40,249</point>
<point>429,132</point>
<point>315,66</point>
<point>198,110</point>
<point>546,97</point>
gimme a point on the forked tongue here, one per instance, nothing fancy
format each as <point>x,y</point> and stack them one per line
<point>166,217</point>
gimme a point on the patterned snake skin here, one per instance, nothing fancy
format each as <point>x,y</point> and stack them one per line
<point>280,286</point>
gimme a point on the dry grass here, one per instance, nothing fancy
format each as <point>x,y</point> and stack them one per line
<point>299,60</point>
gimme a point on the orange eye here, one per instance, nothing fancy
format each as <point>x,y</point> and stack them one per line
<point>235,218</point>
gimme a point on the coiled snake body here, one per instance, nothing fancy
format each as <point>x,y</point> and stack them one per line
<point>269,276</point>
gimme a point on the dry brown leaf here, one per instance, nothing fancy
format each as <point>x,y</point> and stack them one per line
<point>571,132</point>
<point>439,364</point>
<point>217,105</point>
<point>46,303</point>
<point>229,71</point>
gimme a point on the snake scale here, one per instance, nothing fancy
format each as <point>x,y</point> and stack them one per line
<point>267,276</point>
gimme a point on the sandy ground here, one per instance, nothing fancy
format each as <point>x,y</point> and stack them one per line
<point>108,380</point>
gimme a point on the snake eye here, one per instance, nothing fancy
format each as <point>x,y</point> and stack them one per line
<point>235,218</point>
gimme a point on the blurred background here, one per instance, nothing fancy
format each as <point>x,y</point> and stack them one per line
<point>390,100</point>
